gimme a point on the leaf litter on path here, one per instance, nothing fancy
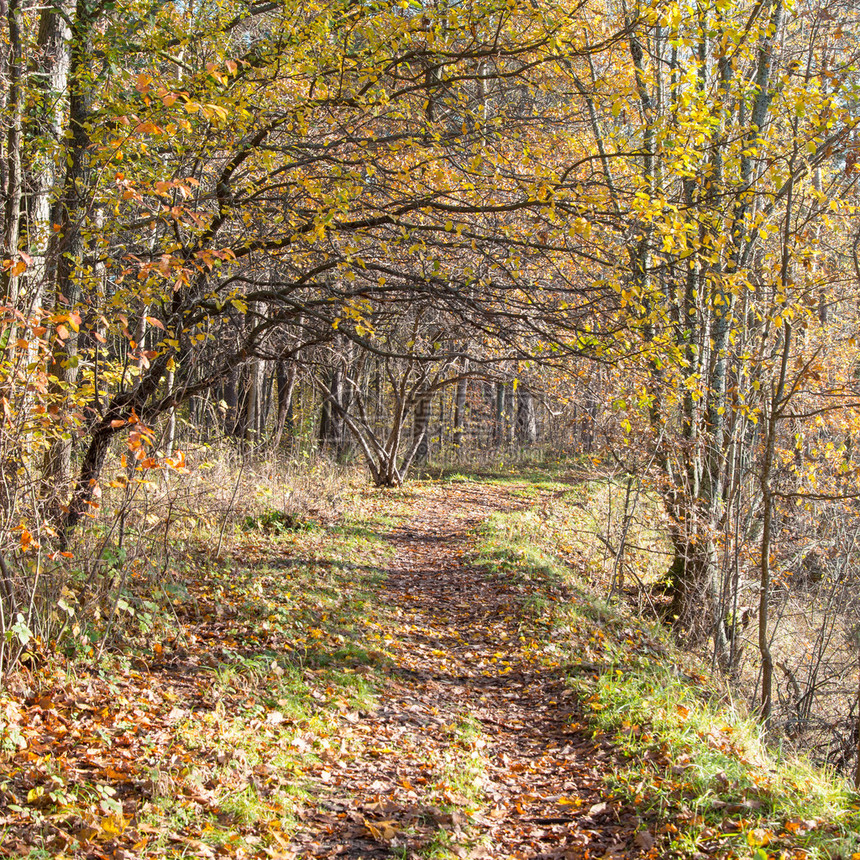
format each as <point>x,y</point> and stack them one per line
<point>476,749</point>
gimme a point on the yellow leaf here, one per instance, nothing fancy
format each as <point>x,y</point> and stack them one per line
<point>113,825</point>
<point>219,111</point>
<point>758,837</point>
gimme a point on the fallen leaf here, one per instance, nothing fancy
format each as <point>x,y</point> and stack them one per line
<point>381,831</point>
<point>644,841</point>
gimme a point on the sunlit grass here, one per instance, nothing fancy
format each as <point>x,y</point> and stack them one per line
<point>697,761</point>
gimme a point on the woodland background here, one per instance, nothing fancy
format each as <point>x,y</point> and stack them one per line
<point>409,233</point>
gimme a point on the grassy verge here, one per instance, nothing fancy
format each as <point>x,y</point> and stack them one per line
<point>696,764</point>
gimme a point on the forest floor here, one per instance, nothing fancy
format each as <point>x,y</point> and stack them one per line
<point>371,688</point>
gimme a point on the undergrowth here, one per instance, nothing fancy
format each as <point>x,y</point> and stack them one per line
<point>221,643</point>
<point>209,673</point>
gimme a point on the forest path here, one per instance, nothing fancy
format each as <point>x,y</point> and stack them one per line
<point>474,749</point>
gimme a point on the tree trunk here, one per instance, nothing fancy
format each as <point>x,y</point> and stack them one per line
<point>460,406</point>
<point>331,419</point>
<point>526,422</point>
<point>53,78</point>
<point>499,412</point>
<point>420,430</point>
<point>253,402</point>
<point>286,377</point>
<point>857,723</point>
<point>230,397</point>
<point>170,441</point>
<point>119,410</point>
<point>12,190</point>
<point>70,244</point>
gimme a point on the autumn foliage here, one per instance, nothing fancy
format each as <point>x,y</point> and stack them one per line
<point>398,232</point>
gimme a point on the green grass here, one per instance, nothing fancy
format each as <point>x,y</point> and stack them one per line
<point>708,762</point>
<point>696,760</point>
<point>277,522</point>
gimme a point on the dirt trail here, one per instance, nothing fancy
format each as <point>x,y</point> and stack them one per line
<point>461,663</point>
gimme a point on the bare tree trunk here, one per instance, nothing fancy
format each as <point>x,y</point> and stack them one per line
<point>499,411</point>
<point>253,401</point>
<point>526,423</point>
<point>286,375</point>
<point>114,418</point>
<point>331,420</point>
<point>333,434</point>
<point>268,393</point>
<point>171,416</point>
<point>460,406</point>
<point>70,246</point>
<point>510,415</point>
<point>230,398</point>
<point>12,209</point>
<point>857,724</point>
<point>420,428</point>
<point>4,105</point>
<point>55,56</point>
